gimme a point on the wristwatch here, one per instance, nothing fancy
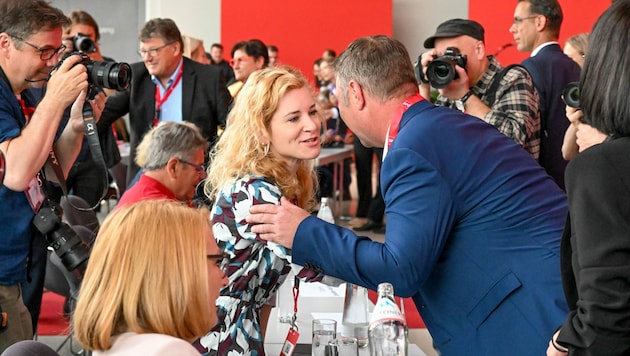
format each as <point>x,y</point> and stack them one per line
<point>460,103</point>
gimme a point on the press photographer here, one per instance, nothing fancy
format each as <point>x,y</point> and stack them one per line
<point>30,42</point>
<point>474,82</point>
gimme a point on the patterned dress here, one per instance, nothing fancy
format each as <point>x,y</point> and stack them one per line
<point>257,269</point>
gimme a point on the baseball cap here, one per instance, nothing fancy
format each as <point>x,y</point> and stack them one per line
<point>454,28</point>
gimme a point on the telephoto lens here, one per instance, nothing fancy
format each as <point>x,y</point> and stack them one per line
<point>571,95</point>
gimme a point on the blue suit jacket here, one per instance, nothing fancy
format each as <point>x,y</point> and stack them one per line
<point>473,234</point>
<point>551,71</point>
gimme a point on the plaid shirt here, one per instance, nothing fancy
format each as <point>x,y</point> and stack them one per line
<point>514,111</point>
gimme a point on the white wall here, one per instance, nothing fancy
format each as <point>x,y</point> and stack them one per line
<point>415,20</point>
<point>197,18</point>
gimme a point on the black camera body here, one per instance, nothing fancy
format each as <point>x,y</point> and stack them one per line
<point>441,70</point>
<point>110,75</point>
<point>83,43</point>
<point>64,241</point>
<point>571,95</point>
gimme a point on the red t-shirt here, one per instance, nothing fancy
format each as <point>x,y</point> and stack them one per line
<point>145,188</point>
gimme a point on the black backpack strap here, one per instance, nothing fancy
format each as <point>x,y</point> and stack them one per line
<point>496,81</point>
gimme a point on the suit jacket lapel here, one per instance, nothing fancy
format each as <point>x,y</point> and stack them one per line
<point>189,78</point>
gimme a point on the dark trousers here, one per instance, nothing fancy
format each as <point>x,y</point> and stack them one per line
<point>33,288</point>
<point>363,158</point>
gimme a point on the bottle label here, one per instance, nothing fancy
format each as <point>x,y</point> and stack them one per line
<point>386,309</point>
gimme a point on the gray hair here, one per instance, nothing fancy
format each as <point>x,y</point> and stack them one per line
<point>377,54</point>
<point>168,140</point>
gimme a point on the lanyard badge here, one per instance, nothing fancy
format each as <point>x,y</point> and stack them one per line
<point>293,335</point>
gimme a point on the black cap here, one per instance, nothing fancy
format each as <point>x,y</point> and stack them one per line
<point>454,28</point>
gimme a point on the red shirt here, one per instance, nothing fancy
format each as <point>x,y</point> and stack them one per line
<point>145,188</point>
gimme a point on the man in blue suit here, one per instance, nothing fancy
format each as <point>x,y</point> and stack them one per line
<point>536,27</point>
<point>473,222</point>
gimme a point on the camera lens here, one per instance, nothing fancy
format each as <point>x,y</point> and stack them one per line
<point>571,95</point>
<point>440,73</point>
<point>109,75</point>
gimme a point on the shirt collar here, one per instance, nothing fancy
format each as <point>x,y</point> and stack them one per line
<point>170,81</point>
<point>540,47</point>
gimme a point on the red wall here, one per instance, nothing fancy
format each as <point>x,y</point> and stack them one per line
<point>496,17</point>
<point>302,30</point>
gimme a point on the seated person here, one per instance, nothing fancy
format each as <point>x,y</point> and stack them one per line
<point>148,290</point>
<point>172,156</point>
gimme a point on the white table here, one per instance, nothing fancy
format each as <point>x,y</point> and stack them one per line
<point>316,300</point>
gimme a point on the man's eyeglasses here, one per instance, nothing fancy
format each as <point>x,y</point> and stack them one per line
<point>234,62</point>
<point>45,53</point>
<point>198,167</point>
<point>223,260</point>
<point>152,51</point>
<point>518,20</point>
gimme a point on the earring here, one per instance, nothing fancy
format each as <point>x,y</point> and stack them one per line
<point>266,148</point>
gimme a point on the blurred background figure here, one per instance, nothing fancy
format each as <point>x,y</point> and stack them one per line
<point>575,48</point>
<point>273,55</point>
<point>329,55</point>
<point>247,57</point>
<point>193,49</point>
<point>216,58</point>
<point>170,249</point>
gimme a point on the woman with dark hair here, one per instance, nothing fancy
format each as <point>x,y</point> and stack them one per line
<point>596,242</point>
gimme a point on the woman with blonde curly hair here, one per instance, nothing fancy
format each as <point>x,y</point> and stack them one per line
<point>265,153</point>
<point>151,281</point>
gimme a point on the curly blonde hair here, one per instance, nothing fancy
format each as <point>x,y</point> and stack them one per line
<point>242,149</point>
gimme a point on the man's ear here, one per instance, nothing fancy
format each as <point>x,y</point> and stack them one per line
<point>171,167</point>
<point>480,50</point>
<point>541,23</point>
<point>356,95</point>
<point>260,62</point>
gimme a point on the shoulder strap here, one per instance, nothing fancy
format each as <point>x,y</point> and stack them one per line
<point>496,81</point>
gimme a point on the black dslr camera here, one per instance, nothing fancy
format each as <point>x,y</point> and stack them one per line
<point>110,75</point>
<point>82,43</point>
<point>441,70</point>
<point>65,242</point>
<point>571,95</point>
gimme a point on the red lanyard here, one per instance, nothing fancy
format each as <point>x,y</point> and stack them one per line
<point>395,123</point>
<point>27,110</point>
<point>159,100</point>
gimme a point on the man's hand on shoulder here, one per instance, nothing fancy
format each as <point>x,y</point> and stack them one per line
<point>277,223</point>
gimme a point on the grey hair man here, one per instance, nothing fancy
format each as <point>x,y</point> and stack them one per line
<point>172,155</point>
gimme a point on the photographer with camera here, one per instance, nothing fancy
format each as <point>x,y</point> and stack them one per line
<point>471,81</point>
<point>88,178</point>
<point>30,42</point>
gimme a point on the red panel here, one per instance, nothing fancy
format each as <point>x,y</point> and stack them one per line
<point>302,30</point>
<point>496,17</point>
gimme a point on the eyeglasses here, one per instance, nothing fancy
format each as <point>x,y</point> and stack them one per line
<point>198,167</point>
<point>223,260</point>
<point>152,51</point>
<point>518,20</point>
<point>45,53</point>
<point>236,61</point>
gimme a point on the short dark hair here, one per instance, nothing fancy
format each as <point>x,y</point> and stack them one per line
<point>166,29</point>
<point>604,93</point>
<point>331,53</point>
<point>551,10</point>
<point>23,18</point>
<point>272,48</point>
<point>80,17</point>
<point>255,48</point>
<point>217,45</point>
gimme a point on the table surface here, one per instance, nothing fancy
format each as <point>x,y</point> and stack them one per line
<point>316,300</point>
<point>330,155</point>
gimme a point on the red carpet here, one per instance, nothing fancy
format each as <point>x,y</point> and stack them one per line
<point>51,319</point>
<point>414,321</point>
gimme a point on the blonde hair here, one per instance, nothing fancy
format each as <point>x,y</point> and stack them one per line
<point>242,149</point>
<point>579,42</point>
<point>147,274</point>
<point>193,49</point>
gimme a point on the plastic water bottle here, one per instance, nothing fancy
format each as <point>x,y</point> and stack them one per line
<point>325,212</point>
<point>354,322</point>
<point>387,332</point>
